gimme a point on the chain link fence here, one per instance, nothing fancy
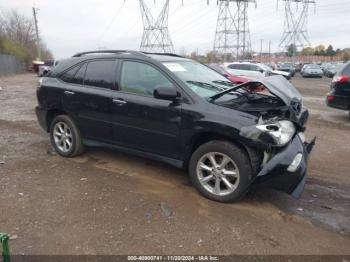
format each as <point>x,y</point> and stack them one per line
<point>9,64</point>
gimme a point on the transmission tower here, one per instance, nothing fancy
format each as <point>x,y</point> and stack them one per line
<point>295,24</point>
<point>232,35</point>
<point>156,37</point>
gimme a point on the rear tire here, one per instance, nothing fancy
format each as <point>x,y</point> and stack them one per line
<point>65,136</point>
<point>216,180</point>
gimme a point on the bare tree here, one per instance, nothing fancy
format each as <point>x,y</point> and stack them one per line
<point>19,29</point>
<point>17,36</point>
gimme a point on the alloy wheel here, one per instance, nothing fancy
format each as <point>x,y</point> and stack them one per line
<point>218,173</point>
<point>63,137</point>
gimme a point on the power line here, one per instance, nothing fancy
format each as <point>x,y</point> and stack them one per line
<point>110,23</point>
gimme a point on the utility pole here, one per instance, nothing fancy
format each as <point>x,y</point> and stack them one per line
<point>156,37</point>
<point>295,24</point>
<point>261,44</point>
<point>37,32</point>
<point>232,36</point>
<point>270,51</point>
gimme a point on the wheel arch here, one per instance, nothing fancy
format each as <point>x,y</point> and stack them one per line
<point>201,138</point>
<point>51,114</point>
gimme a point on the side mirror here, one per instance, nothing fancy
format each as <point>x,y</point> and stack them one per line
<point>166,93</point>
<point>261,71</point>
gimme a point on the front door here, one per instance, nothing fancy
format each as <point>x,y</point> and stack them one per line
<point>139,120</point>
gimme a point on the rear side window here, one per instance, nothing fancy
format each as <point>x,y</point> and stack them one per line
<point>100,73</point>
<point>233,66</point>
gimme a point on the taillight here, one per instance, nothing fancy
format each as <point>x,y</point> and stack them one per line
<point>330,98</point>
<point>340,79</point>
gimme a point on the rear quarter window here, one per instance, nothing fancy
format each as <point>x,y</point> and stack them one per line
<point>68,76</point>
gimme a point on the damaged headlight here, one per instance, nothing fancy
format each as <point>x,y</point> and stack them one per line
<point>278,133</point>
<point>281,132</point>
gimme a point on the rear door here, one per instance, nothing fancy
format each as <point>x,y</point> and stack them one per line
<point>139,120</point>
<point>87,97</point>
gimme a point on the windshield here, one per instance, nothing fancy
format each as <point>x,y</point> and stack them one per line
<point>337,67</point>
<point>269,67</point>
<point>203,80</point>
<point>313,66</point>
<point>287,65</point>
<point>265,67</point>
<point>49,62</point>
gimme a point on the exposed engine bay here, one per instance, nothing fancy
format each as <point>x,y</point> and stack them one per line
<point>275,102</point>
<point>270,99</point>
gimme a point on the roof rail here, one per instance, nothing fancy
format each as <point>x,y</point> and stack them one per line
<point>109,52</point>
<point>168,54</point>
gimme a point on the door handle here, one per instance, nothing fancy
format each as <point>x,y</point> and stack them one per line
<point>119,102</point>
<point>69,93</point>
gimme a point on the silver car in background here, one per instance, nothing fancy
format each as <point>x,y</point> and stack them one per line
<point>312,70</point>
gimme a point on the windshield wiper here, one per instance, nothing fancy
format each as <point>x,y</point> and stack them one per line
<point>222,82</point>
<point>205,85</point>
<point>234,88</point>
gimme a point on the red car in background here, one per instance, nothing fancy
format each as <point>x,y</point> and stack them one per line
<point>234,79</point>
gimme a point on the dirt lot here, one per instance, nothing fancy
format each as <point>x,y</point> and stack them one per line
<point>106,202</point>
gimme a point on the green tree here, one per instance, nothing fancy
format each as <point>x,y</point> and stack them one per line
<point>291,50</point>
<point>322,52</point>
<point>308,51</point>
<point>330,51</point>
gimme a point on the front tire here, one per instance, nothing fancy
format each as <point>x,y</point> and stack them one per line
<point>65,136</point>
<point>220,171</point>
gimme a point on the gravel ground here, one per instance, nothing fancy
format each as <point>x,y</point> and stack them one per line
<point>106,202</point>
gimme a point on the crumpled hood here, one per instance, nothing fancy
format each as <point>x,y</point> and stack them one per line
<point>281,88</point>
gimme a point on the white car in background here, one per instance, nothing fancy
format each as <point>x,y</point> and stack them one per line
<point>255,70</point>
<point>46,67</point>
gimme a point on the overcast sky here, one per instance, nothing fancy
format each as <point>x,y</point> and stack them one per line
<point>70,26</point>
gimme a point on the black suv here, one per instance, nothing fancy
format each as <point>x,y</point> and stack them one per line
<point>173,109</point>
<point>339,95</point>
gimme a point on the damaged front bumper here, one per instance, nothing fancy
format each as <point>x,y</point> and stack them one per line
<point>287,170</point>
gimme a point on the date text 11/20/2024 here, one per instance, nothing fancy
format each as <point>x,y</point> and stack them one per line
<point>173,258</point>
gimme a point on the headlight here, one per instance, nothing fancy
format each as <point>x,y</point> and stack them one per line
<point>281,132</point>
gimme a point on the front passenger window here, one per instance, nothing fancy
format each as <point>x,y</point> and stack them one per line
<point>254,68</point>
<point>140,78</point>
